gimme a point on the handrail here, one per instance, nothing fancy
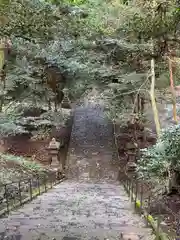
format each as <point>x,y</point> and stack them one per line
<point>135,189</point>
<point>16,193</point>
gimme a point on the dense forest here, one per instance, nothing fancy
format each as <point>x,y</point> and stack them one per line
<point>128,50</point>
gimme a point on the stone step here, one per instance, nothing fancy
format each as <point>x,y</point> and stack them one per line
<point>83,207</point>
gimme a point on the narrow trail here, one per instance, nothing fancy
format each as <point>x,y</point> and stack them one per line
<point>90,205</point>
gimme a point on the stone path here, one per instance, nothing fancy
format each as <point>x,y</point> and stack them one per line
<point>92,146</point>
<point>90,205</point>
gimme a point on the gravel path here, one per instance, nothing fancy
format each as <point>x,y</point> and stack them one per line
<point>90,205</point>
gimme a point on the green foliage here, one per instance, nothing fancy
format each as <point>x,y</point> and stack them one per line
<point>92,43</point>
<point>20,168</point>
<point>56,119</point>
<point>27,19</point>
<point>118,95</point>
<point>99,43</point>
<point>147,21</point>
<point>71,2</point>
<point>8,125</point>
<point>22,161</point>
<point>83,60</point>
<point>13,120</point>
<point>163,156</point>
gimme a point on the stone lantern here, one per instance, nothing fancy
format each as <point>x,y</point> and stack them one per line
<point>53,151</point>
<point>66,102</point>
<point>131,151</point>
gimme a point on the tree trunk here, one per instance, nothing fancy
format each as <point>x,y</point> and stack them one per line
<point>142,104</point>
<point>152,90</point>
<point>153,101</point>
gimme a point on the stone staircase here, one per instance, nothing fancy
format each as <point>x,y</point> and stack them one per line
<point>91,204</point>
<point>76,211</point>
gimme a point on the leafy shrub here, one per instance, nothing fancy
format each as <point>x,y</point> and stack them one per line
<point>8,125</point>
<point>21,161</point>
<point>163,157</point>
<point>21,167</point>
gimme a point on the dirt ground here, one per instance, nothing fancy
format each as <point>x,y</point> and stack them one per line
<point>26,147</point>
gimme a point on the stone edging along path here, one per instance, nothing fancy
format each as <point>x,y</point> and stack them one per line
<point>149,218</point>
